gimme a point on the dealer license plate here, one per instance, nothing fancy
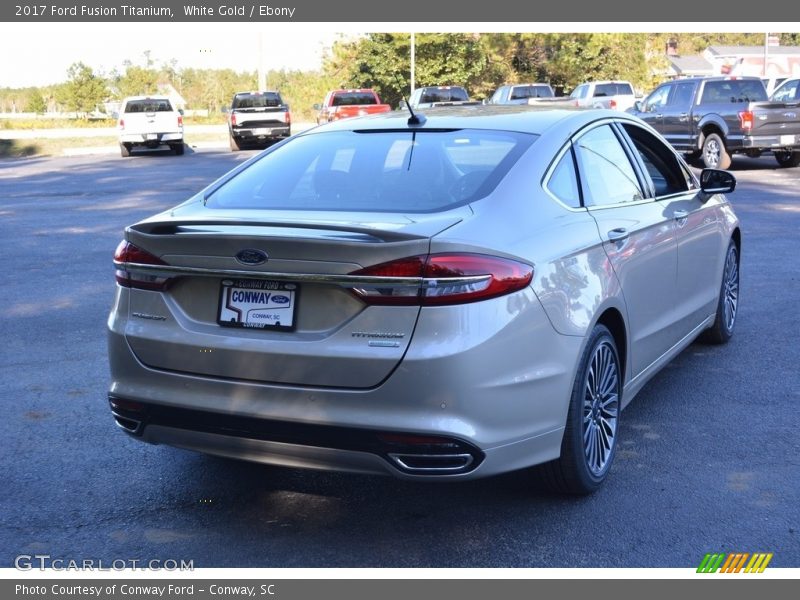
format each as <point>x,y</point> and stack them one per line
<point>151,136</point>
<point>257,304</point>
<point>787,140</point>
<point>262,131</point>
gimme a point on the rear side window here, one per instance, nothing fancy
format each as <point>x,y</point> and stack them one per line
<point>787,92</point>
<point>385,171</point>
<point>563,182</point>
<point>607,175</point>
<point>148,106</point>
<point>263,100</point>
<point>353,99</point>
<point>734,90</point>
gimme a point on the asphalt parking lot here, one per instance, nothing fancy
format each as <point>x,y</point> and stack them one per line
<point>709,461</point>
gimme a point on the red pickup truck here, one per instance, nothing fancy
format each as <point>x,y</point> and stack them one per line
<point>343,104</point>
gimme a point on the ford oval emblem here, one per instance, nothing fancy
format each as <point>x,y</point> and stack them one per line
<point>251,257</point>
<point>280,299</point>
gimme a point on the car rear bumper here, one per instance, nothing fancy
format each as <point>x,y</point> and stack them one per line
<point>261,133</point>
<point>150,138</point>
<point>488,399</point>
<point>767,142</point>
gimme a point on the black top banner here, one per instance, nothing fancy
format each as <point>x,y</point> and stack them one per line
<point>404,11</point>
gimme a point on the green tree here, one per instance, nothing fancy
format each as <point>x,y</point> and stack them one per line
<point>83,90</point>
<point>36,103</point>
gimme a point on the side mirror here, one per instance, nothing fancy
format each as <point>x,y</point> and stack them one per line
<point>716,181</point>
<point>317,106</point>
<point>637,106</point>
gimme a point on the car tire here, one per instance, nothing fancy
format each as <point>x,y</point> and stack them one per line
<point>235,146</point>
<point>787,159</point>
<point>125,150</point>
<point>728,303</point>
<point>178,149</point>
<point>590,436</point>
<point>715,156</point>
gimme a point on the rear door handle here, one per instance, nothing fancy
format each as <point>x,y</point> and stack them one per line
<point>618,235</point>
<point>680,214</point>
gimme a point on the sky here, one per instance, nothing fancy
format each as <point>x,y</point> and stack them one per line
<point>45,51</point>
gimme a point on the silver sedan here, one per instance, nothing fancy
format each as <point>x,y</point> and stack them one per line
<point>479,291</point>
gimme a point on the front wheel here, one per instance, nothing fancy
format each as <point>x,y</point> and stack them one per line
<point>590,435</point>
<point>786,158</point>
<point>728,303</point>
<point>715,156</point>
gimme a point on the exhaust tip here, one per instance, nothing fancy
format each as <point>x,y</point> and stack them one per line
<point>432,463</point>
<point>129,425</point>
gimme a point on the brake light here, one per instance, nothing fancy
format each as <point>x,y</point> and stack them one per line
<point>122,123</point>
<point>128,254</point>
<point>180,120</point>
<point>746,120</point>
<point>288,117</point>
<point>612,104</point>
<point>441,279</point>
<point>233,119</point>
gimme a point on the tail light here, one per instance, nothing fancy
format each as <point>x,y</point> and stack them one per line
<point>746,120</point>
<point>180,120</point>
<point>612,104</point>
<point>288,117</point>
<point>441,279</point>
<point>233,119</point>
<point>128,254</point>
<point>122,123</point>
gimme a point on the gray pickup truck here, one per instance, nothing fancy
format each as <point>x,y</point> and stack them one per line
<point>716,117</point>
<point>440,95</point>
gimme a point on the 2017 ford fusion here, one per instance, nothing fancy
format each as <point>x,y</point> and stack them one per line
<point>453,297</point>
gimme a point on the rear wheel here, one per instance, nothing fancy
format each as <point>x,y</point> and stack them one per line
<point>787,159</point>
<point>728,304</point>
<point>715,156</point>
<point>590,435</point>
<point>125,150</point>
<point>178,149</point>
<point>235,146</point>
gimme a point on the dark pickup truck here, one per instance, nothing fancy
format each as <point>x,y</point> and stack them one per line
<point>258,118</point>
<point>440,95</point>
<point>716,117</point>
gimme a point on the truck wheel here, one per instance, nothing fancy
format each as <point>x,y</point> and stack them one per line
<point>234,144</point>
<point>178,149</point>
<point>714,154</point>
<point>787,159</point>
<point>125,150</point>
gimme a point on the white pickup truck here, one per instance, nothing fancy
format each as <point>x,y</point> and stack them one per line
<point>616,95</point>
<point>149,121</point>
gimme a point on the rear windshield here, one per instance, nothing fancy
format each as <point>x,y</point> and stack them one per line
<point>354,99</point>
<point>256,100</point>
<point>734,90</point>
<point>613,89</point>
<point>453,94</point>
<point>519,92</point>
<point>385,171</point>
<point>149,105</point>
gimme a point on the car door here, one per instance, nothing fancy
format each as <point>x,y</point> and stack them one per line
<point>699,229</point>
<point>653,105</point>
<point>676,115</point>
<point>638,238</point>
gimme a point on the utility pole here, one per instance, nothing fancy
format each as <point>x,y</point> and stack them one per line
<point>262,73</point>
<point>413,60</point>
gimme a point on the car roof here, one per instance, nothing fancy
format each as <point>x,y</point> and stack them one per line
<point>521,118</point>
